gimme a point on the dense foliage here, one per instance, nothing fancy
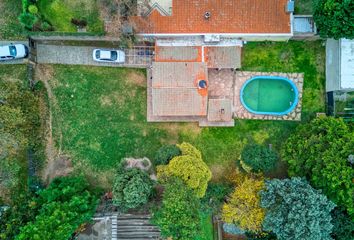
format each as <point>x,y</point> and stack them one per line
<point>243,206</point>
<point>189,167</point>
<point>215,196</point>
<point>334,18</point>
<point>343,225</point>
<point>132,188</point>
<point>165,154</point>
<point>62,208</point>
<point>294,210</point>
<point>319,151</point>
<point>258,158</point>
<point>178,217</point>
<point>19,130</point>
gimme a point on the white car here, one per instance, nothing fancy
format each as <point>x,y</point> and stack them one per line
<point>13,51</point>
<point>106,55</point>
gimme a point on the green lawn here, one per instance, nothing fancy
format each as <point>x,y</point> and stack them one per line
<point>101,112</point>
<point>10,27</point>
<point>206,227</point>
<point>60,12</point>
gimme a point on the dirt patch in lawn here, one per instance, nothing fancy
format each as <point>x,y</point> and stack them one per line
<point>138,78</point>
<point>57,163</point>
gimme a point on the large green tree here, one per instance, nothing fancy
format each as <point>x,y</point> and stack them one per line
<point>190,167</point>
<point>319,151</point>
<point>295,210</point>
<point>132,188</point>
<point>63,207</point>
<point>334,18</point>
<point>178,217</point>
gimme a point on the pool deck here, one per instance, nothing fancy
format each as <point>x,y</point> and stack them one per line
<point>241,113</point>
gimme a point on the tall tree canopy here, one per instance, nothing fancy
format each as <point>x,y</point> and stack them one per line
<point>243,206</point>
<point>178,216</point>
<point>334,18</point>
<point>63,207</point>
<point>295,210</point>
<point>319,151</point>
<point>189,167</point>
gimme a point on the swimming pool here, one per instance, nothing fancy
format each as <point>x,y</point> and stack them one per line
<point>269,95</point>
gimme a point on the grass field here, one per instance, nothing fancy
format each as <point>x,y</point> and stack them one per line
<point>101,112</point>
<point>60,12</point>
<point>10,27</point>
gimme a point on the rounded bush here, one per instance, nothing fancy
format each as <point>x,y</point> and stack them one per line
<point>258,158</point>
<point>132,188</point>
<point>28,20</point>
<point>33,9</point>
<point>166,153</point>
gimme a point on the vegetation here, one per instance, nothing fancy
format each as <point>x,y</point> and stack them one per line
<point>10,27</point>
<point>343,225</point>
<point>189,167</point>
<point>20,129</point>
<point>62,208</point>
<point>319,151</point>
<point>165,154</point>
<point>132,188</point>
<point>334,18</point>
<point>61,12</point>
<point>243,206</point>
<point>294,210</point>
<point>178,217</point>
<point>258,158</point>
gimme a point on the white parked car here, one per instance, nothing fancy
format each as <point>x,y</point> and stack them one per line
<point>106,55</point>
<point>13,51</point>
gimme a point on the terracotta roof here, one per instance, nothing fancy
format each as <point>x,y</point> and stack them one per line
<point>227,16</point>
<point>175,89</point>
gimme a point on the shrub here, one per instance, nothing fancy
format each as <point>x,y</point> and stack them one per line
<point>243,206</point>
<point>189,167</point>
<point>232,229</point>
<point>258,158</point>
<point>294,210</point>
<point>28,20</point>
<point>215,196</point>
<point>165,154</point>
<point>33,9</point>
<point>178,216</point>
<point>45,26</point>
<point>132,188</point>
<point>80,23</point>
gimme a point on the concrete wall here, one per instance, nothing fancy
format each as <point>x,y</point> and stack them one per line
<point>332,65</point>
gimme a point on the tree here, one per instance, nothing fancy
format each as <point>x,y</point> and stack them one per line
<point>132,188</point>
<point>165,154</point>
<point>319,151</point>
<point>295,210</point>
<point>63,207</point>
<point>258,158</point>
<point>178,217</point>
<point>334,18</point>
<point>243,206</point>
<point>189,167</point>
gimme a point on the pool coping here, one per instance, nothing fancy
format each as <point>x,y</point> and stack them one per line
<point>240,112</point>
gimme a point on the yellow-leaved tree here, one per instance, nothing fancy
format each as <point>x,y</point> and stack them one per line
<point>243,205</point>
<point>190,167</point>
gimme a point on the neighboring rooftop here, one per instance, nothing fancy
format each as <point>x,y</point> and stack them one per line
<point>218,16</point>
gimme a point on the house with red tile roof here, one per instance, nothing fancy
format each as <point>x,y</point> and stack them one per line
<point>243,19</point>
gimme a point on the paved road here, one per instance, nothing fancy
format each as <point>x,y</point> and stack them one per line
<point>16,61</point>
<point>82,55</point>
